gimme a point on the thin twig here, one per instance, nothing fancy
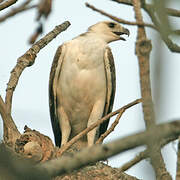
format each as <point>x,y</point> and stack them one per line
<point>111,129</point>
<point>23,7</point>
<point>172,46</point>
<point>97,123</point>
<point>65,164</point>
<point>7,3</point>
<point>28,59</point>
<point>142,155</point>
<point>149,8</point>
<point>119,20</point>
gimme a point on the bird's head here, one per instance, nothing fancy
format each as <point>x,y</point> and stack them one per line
<point>108,30</point>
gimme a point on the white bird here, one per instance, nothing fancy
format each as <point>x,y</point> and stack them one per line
<point>82,82</point>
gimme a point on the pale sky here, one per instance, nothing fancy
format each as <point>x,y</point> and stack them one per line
<point>30,100</point>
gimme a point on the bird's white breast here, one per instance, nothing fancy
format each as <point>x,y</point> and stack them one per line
<point>82,80</point>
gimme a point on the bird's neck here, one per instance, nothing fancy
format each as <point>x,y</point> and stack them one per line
<point>98,37</point>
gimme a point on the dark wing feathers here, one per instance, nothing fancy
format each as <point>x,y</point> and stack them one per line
<point>111,87</point>
<point>52,105</point>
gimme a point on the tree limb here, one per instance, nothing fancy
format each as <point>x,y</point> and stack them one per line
<point>97,123</point>
<point>66,164</point>
<point>7,3</point>
<point>28,59</point>
<point>169,11</point>
<point>149,8</point>
<point>172,46</point>
<point>111,129</point>
<point>143,49</point>
<point>119,20</point>
<point>14,11</point>
<point>143,155</point>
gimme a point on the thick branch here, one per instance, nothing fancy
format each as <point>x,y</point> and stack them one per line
<point>143,48</point>
<point>13,167</point>
<point>98,152</point>
<point>97,123</point>
<point>119,20</point>
<point>7,3</point>
<point>28,59</point>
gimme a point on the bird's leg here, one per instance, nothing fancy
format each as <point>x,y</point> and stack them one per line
<point>96,114</point>
<point>64,125</point>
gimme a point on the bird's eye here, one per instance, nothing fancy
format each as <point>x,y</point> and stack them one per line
<point>111,25</point>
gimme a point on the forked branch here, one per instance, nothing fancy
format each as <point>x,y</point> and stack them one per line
<point>97,123</point>
<point>10,130</point>
<point>99,152</point>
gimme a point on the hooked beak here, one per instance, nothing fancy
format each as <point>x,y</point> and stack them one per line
<point>125,31</point>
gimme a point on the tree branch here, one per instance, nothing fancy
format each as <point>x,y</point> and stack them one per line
<point>11,132</point>
<point>66,164</point>
<point>14,11</point>
<point>143,155</point>
<point>7,3</point>
<point>143,49</point>
<point>97,123</point>
<point>111,129</point>
<point>28,59</point>
<point>172,46</point>
<point>149,8</point>
<point>119,20</point>
<point>169,11</point>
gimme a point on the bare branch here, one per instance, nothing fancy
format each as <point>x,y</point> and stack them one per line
<point>111,129</point>
<point>15,167</point>
<point>143,49</point>
<point>172,46</point>
<point>149,8</point>
<point>11,132</point>
<point>7,3</point>
<point>15,11</point>
<point>123,109</point>
<point>97,123</point>
<point>169,11</point>
<point>28,59</point>
<point>98,152</point>
<point>119,20</point>
<point>143,155</point>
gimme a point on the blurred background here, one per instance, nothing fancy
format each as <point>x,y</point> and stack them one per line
<point>30,101</point>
